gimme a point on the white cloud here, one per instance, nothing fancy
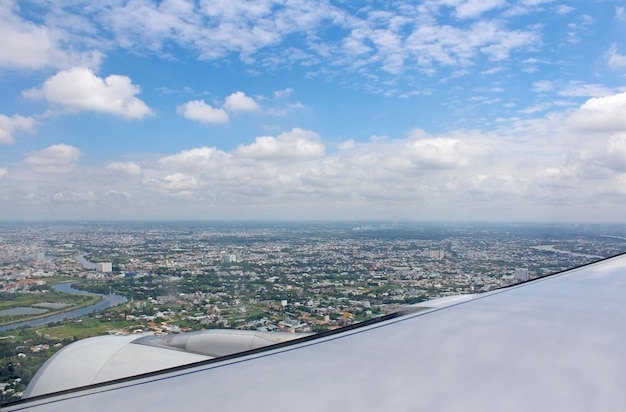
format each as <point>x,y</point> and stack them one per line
<point>443,152</point>
<point>214,28</point>
<point>614,59</point>
<point>536,108</point>
<point>128,168</point>
<point>180,181</point>
<point>543,86</point>
<point>493,70</point>
<point>239,102</point>
<point>9,125</point>
<point>489,184</point>
<point>281,94</point>
<point>475,8</point>
<point>234,103</point>
<point>26,45</point>
<point>197,160</point>
<point>56,159</point>
<point>535,2</point>
<point>3,172</point>
<point>78,89</point>
<point>447,45</point>
<point>296,144</point>
<point>599,160</point>
<point>580,89</point>
<point>347,145</point>
<point>577,29</point>
<point>616,153</point>
<point>74,197</point>
<point>118,195</point>
<point>529,165</point>
<point>603,114</point>
<point>564,10</point>
<point>202,112</point>
<point>392,40</point>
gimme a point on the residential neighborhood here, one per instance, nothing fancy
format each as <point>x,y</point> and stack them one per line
<point>159,278</point>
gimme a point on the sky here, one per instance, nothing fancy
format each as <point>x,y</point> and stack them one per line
<point>450,110</point>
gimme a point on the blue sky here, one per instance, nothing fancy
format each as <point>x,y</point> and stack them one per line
<point>488,110</point>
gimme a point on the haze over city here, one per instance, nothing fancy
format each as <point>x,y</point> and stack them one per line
<point>430,110</point>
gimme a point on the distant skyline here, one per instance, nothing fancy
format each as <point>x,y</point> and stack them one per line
<point>452,110</point>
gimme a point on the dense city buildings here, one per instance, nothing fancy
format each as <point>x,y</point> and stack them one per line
<point>295,277</point>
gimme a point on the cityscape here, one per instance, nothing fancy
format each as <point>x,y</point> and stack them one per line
<point>61,282</point>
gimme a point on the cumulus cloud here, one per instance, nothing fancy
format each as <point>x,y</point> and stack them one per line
<point>300,169</point>
<point>202,112</point>
<point>296,144</point>
<point>597,160</point>
<point>198,159</point>
<point>9,125</point>
<point>239,102</point>
<point>128,168</point>
<point>489,184</point>
<point>444,152</point>
<point>616,153</point>
<point>180,181</point>
<point>603,114</point>
<point>56,159</point>
<point>79,89</point>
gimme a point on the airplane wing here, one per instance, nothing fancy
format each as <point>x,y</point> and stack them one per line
<point>551,344</point>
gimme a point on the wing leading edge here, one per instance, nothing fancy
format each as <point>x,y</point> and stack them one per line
<point>554,343</point>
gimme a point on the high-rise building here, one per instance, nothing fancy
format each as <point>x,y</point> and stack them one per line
<point>104,267</point>
<point>436,254</point>
<point>521,274</point>
<point>230,258</point>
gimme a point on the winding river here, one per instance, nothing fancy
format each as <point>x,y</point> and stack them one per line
<point>551,248</point>
<point>106,302</point>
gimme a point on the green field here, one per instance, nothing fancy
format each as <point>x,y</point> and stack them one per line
<point>84,328</point>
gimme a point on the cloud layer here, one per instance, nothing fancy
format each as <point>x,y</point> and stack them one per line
<point>296,174</point>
